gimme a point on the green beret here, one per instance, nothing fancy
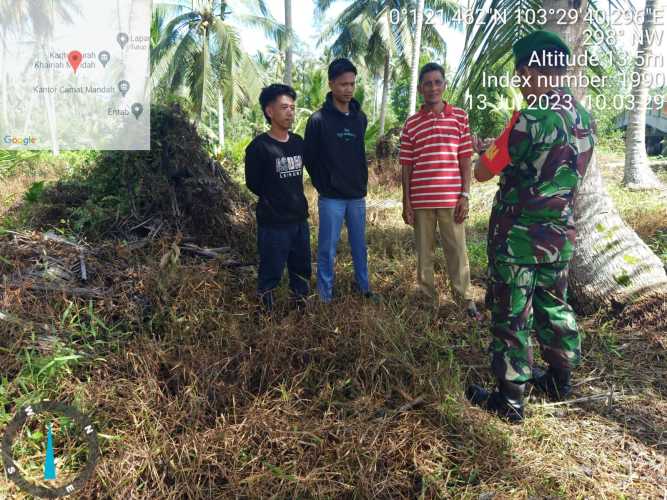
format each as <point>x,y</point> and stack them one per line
<point>537,40</point>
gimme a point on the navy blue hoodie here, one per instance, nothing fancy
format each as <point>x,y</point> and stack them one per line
<point>334,151</point>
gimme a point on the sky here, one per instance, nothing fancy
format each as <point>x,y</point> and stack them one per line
<point>308,28</point>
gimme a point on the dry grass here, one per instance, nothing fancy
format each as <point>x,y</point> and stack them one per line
<point>200,397</point>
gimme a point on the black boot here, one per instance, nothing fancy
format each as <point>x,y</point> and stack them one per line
<point>506,401</point>
<point>552,382</point>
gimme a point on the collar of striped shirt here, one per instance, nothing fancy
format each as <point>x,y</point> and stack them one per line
<point>446,110</point>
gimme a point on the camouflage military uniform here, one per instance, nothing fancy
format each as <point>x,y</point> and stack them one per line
<point>531,236</point>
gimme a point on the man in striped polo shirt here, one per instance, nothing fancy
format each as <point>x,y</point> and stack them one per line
<point>435,155</point>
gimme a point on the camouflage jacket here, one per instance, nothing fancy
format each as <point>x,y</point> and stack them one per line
<point>548,150</point>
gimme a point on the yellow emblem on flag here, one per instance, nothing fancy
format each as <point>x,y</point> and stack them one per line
<point>492,151</point>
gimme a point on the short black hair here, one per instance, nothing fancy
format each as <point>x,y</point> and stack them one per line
<point>271,93</point>
<point>428,67</point>
<point>339,67</point>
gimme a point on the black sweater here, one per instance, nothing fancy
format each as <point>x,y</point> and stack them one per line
<point>335,155</point>
<point>274,172</point>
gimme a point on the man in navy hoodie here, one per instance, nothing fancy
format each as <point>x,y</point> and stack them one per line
<point>335,158</point>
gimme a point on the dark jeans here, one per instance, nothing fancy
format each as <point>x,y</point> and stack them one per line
<point>279,245</point>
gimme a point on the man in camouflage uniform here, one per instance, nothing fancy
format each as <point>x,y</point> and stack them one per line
<point>541,158</point>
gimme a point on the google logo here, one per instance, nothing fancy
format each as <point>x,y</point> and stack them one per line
<point>26,141</point>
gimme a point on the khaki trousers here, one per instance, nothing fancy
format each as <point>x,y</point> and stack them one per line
<point>453,239</point>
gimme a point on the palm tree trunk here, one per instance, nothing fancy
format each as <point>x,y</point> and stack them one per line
<point>611,263</point>
<point>375,99</point>
<point>4,82</point>
<point>637,172</point>
<point>201,105</point>
<point>221,121</point>
<point>385,92</point>
<point>27,124</point>
<point>51,116</point>
<point>288,48</point>
<point>50,99</point>
<point>416,50</point>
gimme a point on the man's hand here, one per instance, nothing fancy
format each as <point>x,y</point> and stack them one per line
<point>461,210</point>
<point>408,214</point>
<point>481,145</point>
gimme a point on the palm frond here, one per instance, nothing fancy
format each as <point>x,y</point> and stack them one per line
<point>269,26</point>
<point>489,39</point>
<point>199,79</point>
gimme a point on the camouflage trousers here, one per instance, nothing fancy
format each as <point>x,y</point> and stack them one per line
<point>527,297</point>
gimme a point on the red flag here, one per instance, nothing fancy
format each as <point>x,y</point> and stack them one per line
<point>497,156</point>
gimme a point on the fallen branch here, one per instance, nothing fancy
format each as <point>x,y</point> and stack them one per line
<point>609,397</point>
<point>84,272</point>
<point>415,403</point>
<point>212,253</point>
<point>141,224</point>
<point>93,293</point>
<point>383,413</point>
<point>235,264</point>
<point>60,239</point>
<point>136,245</point>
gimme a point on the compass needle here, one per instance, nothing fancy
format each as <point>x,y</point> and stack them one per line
<point>75,432</point>
<point>50,462</point>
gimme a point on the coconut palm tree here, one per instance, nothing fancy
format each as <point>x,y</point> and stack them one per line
<point>33,19</point>
<point>637,172</point>
<point>199,35</point>
<point>611,263</point>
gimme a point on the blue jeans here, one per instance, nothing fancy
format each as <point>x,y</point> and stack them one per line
<point>279,245</point>
<point>332,212</point>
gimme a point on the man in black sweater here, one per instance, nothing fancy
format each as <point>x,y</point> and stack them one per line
<point>335,158</point>
<point>274,172</point>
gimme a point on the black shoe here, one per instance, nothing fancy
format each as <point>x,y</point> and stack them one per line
<point>298,304</point>
<point>506,402</point>
<point>375,298</point>
<point>552,382</point>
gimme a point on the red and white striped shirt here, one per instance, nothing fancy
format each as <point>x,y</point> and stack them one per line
<point>432,144</point>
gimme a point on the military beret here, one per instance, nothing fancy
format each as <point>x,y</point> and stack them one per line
<point>537,41</point>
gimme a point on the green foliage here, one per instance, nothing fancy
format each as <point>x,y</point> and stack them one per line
<point>39,378</point>
<point>373,131</point>
<point>400,97</point>
<point>484,122</point>
<point>611,141</point>
<point>478,256</point>
<point>658,244</point>
<point>233,158</point>
<point>34,192</point>
<point>235,151</point>
<point>311,86</point>
<point>18,162</point>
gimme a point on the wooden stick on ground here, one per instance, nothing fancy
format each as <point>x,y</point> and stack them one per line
<point>609,397</point>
